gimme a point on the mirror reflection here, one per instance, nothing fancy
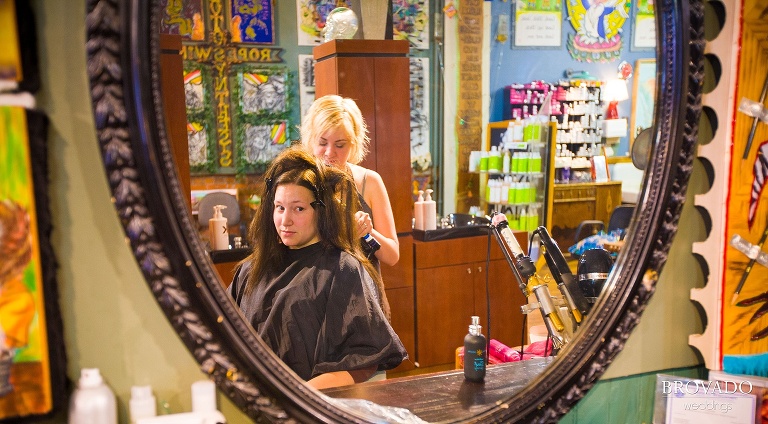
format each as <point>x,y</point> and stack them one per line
<point>553,155</point>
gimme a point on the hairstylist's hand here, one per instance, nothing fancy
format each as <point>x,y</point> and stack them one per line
<point>364,223</point>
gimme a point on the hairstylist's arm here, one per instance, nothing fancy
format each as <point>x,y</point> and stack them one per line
<point>384,231</point>
<point>341,378</point>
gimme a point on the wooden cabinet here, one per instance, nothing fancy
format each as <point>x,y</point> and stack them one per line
<point>376,75</point>
<point>174,107</point>
<point>450,287</point>
<point>577,202</point>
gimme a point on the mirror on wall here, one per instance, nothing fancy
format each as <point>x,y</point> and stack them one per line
<point>585,209</point>
<point>190,289</point>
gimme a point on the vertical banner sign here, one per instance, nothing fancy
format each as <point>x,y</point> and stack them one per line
<point>468,109</point>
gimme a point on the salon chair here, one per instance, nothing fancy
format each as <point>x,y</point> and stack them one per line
<point>619,220</point>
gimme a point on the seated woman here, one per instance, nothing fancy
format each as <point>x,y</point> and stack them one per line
<point>307,288</point>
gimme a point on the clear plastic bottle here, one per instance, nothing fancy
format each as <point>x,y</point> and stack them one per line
<point>92,402</point>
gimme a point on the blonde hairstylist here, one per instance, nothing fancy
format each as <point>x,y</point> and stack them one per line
<point>334,131</point>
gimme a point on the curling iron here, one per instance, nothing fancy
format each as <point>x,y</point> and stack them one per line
<point>566,282</point>
<point>529,282</point>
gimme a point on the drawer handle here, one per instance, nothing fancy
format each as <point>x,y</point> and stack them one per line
<point>469,270</point>
<point>479,269</point>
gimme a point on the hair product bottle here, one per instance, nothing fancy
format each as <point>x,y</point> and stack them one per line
<point>142,404</point>
<point>92,401</point>
<point>474,352</point>
<point>430,212</point>
<point>217,228</point>
<point>418,212</point>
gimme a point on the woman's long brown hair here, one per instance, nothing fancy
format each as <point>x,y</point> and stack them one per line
<point>335,202</point>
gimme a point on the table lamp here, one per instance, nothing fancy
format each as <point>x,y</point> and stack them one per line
<point>613,92</point>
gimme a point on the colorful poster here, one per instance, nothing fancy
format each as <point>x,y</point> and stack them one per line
<point>252,21</point>
<point>599,27</point>
<point>311,16</point>
<point>410,21</point>
<point>183,17</point>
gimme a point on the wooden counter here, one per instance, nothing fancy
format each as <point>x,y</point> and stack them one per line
<point>446,396</point>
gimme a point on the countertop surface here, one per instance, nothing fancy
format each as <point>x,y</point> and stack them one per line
<point>447,395</point>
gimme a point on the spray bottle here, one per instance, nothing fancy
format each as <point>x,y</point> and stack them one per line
<point>217,229</point>
<point>92,401</point>
<point>475,349</point>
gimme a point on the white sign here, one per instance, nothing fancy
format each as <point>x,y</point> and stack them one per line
<point>538,29</point>
<point>709,402</point>
<point>645,31</point>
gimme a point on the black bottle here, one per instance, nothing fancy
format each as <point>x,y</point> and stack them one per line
<point>475,350</point>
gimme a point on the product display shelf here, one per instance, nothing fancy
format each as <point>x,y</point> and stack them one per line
<point>577,113</point>
<point>522,189</point>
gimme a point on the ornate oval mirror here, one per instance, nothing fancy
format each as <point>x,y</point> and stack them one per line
<point>124,74</point>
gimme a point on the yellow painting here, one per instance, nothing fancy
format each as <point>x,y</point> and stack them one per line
<point>10,55</point>
<point>25,387</point>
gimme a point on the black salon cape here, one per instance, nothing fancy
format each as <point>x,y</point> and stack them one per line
<point>321,314</point>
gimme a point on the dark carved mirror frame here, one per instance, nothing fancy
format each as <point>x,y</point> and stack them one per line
<point>123,68</point>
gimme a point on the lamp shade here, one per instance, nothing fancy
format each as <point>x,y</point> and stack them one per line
<point>615,90</point>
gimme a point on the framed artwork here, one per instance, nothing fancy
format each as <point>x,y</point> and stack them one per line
<point>643,97</point>
<point>410,21</point>
<point>537,24</point>
<point>643,26</point>
<point>32,355</point>
<point>185,18</point>
<point>201,124</point>
<point>310,18</point>
<point>599,169</point>
<point>599,28</point>
<point>306,82</point>
<point>262,98</point>
<point>421,159</point>
<point>252,21</point>
<point>10,56</point>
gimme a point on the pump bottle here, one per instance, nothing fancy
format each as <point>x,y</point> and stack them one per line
<point>475,349</point>
<point>430,212</point>
<point>218,231</point>
<point>418,212</point>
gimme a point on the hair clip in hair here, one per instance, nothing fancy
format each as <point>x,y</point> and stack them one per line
<point>269,182</point>
<point>317,203</point>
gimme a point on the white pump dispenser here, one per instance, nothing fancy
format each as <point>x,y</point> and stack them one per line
<point>217,229</point>
<point>418,212</point>
<point>430,212</point>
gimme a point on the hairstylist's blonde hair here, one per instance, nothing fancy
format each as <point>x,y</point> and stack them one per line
<point>330,112</point>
